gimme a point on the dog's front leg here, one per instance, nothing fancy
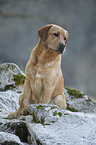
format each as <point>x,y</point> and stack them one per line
<point>23,100</point>
<point>46,94</point>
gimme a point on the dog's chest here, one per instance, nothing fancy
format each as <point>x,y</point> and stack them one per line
<point>37,76</point>
<point>41,78</point>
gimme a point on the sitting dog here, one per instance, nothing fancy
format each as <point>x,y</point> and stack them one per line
<point>44,80</point>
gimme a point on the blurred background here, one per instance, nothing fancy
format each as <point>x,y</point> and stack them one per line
<point>20,20</point>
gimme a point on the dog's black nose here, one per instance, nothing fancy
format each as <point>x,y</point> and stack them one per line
<point>62,45</point>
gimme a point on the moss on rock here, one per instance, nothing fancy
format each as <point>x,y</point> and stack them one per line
<point>11,77</point>
<point>59,114</point>
<point>19,79</point>
<point>74,92</point>
<point>55,113</point>
<point>40,107</point>
<point>38,120</point>
<point>71,108</point>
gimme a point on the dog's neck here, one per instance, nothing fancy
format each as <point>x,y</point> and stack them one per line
<point>45,55</point>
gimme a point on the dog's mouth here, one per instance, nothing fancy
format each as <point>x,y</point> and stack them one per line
<point>60,50</point>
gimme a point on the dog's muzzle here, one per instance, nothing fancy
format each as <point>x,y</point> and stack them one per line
<point>61,47</point>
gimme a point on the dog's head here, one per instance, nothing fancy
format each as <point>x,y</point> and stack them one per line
<point>54,37</point>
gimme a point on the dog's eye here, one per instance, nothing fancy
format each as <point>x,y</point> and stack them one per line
<point>64,38</point>
<point>56,34</point>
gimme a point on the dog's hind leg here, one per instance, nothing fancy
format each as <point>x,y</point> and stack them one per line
<point>59,101</point>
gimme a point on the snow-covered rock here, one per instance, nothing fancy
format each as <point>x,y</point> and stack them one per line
<point>44,123</point>
<point>11,77</point>
<point>52,125</point>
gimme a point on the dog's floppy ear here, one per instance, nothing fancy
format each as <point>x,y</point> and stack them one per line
<point>43,32</point>
<point>67,34</point>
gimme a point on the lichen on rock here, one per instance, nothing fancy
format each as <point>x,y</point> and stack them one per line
<point>42,113</point>
<point>77,101</point>
<point>11,77</point>
<point>75,93</point>
<point>19,79</point>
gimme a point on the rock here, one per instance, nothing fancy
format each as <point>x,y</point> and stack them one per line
<point>15,126</point>
<point>44,114</point>
<point>78,101</point>
<point>11,77</point>
<point>8,102</point>
<point>51,125</point>
<point>44,123</point>
<point>9,139</point>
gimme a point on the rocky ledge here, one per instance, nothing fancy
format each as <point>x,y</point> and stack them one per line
<point>44,124</point>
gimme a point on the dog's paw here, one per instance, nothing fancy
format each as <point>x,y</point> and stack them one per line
<point>12,115</point>
<point>16,114</point>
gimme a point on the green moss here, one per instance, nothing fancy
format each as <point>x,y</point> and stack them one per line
<point>66,113</point>
<point>47,124</point>
<point>55,113</point>
<point>53,108</point>
<point>9,87</point>
<point>74,92</point>
<point>59,114</point>
<point>71,109</point>
<point>89,100</point>
<point>11,66</point>
<point>42,120</point>
<point>38,142</point>
<point>19,79</point>
<point>40,107</point>
<point>36,120</point>
<point>53,121</point>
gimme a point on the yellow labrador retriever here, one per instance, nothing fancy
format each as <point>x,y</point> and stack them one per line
<point>44,80</point>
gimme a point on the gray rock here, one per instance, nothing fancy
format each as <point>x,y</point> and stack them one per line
<point>44,123</point>
<point>11,77</point>
<point>15,126</point>
<point>69,128</point>
<point>77,101</point>
<point>8,102</point>
<point>9,139</point>
<point>49,114</point>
